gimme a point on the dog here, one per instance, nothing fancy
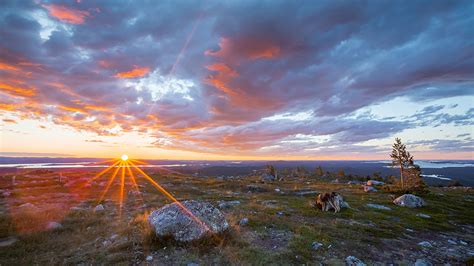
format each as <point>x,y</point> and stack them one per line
<point>329,201</point>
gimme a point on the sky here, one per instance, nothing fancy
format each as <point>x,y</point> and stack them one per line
<point>237,80</point>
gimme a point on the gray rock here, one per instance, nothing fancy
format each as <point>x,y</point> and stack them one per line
<point>369,189</point>
<point>268,177</point>
<point>192,264</point>
<point>353,261</point>
<point>463,242</point>
<point>305,192</point>
<point>255,188</point>
<point>422,215</point>
<point>425,244</point>
<point>374,183</point>
<point>244,221</point>
<point>149,258</point>
<point>316,245</point>
<point>378,206</point>
<point>409,200</point>
<point>452,242</point>
<point>197,220</point>
<point>53,226</point>
<point>422,262</point>
<point>277,190</point>
<point>5,242</point>
<point>99,208</point>
<point>228,204</point>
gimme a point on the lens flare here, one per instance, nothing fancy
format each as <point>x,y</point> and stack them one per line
<point>126,165</point>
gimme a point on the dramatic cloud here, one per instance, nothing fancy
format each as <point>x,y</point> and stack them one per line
<point>241,78</point>
<point>136,72</point>
<point>66,14</point>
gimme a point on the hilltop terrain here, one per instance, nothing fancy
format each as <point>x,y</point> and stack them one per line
<point>44,220</point>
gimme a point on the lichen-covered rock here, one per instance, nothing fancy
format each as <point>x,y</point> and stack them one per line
<point>173,221</point>
<point>409,200</point>
<point>353,261</point>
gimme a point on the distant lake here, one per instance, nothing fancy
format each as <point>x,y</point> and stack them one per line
<point>433,171</point>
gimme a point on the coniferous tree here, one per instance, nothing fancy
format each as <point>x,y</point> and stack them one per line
<point>401,158</point>
<point>319,171</point>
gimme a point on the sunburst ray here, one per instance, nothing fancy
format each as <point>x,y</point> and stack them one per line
<point>171,197</point>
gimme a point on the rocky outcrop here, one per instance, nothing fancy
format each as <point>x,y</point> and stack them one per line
<point>410,201</point>
<point>189,221</point>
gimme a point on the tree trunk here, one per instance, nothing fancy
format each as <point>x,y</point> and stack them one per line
<point>401,175</point>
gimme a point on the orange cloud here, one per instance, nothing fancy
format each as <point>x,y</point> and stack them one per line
<point>8,67</point>
<point>67,14</point>
<point>238,49</point>
<point>16,90</point>
<point>6,120</point>
<point>134,73</point>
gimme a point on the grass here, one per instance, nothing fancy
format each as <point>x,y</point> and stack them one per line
<point>86,235</point>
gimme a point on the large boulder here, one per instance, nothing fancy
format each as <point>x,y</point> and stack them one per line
<point>175,220</point>
<point>409,200</point>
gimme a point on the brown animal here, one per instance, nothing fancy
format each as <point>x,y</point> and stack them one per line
<point>329,201</point>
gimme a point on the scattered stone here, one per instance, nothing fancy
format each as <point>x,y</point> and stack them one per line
<point>268,177</point>
<point>353,261</point>
<point>228,204</point>
<point>255,188</point>
<point>378,206</point>
<point>369,189</point>
<point>172,220</point>
<point>53,226</point>
<point>270,203</point>
<point>114,236</point>
<point>76,209</point>
<point>316,245</point>
<point>280,213</point>
<point>149,258</point>
<point>422,215</point>
<point>277,190</point>
<point>244,221</point>
<point>134,192</point>
<point>192,264</point>
<point>5,242</point>
<point>374,183</point>
<point>422,262</point>
<point>425,244</point>
<point>99,208</point>
<point>410,201</point>
<point>305,192</point>
<point>28,206</point>
<point>353,182</point>
<point>452,242</point>
<point>6,194</point>
<point>106,243</point>
<point>410,230</point>
<point>463,242</point>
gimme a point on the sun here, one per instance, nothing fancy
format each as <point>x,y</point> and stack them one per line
<point>124,157</point>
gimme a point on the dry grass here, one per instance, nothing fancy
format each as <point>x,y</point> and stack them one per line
<point>281,226</point>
